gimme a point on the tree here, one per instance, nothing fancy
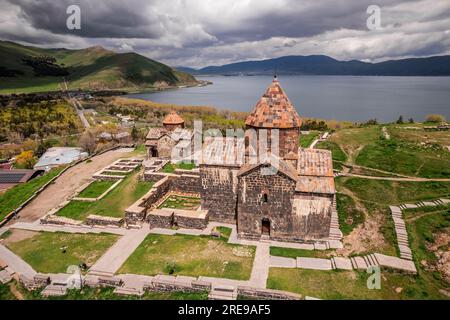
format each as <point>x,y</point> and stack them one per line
<point>134,134</point>
<point>372,122</point>
<point>411,120</point>
<point>400,120</point>
<point>437,118</point>
<point>87,141</point>
<point>25,160</point>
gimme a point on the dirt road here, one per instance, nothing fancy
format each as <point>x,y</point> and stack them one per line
<point>66,185</point>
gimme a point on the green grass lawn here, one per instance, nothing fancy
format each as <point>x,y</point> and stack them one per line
<point>15,196</point>
<point>106,293</point>
<point>384,193</point>
<point>423,226</point>
<point>375,196</point>
<point>43,250</point>
<point>417,212</point>
<point>423,231</point>
<point>113,204</point>
<point>294,253</point>
<point>115,173</point>
<point>96,189</point>
<point>307,139</point>
<point>171,167</point>
<point>349,284</point>
<point>181,202</point>
<point>408,152</point>
<point>336,151</point>
<point>348,213</point>
<point>405,158</point>
<point>190,256</point>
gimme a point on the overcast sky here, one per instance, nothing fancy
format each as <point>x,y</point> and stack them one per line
<point>198,33</point>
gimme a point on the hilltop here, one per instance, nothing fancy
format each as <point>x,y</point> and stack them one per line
<point>33,69</point>
<point>324,65</point>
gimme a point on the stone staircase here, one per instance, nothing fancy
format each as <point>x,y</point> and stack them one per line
<point>364,262</point>
<point>335,232</point>
<point>400,230</point>
<point>223,292</point>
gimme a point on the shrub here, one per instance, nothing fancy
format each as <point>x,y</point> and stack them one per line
<point>435,118</point>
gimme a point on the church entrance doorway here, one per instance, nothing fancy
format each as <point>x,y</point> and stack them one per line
<point>265,227</point>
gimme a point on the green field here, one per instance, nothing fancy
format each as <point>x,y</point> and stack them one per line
<point>171,167</point>
<point>15,196</point>
<point>370,201</point>
<point>349,215</point>
<point>336,285</point>
<point>190,256</point>
<point>114,173</point>
<point>403,158</point>
<point>90,68</point>
<point>294,253</point>
<point>96,189</point>
<point>336,151</point>
<point>411,152</point>
<point>307,139</point>
<point>384,193</point>
<point>113,204</point>
<point>423,229</point>
<point>44,253</point>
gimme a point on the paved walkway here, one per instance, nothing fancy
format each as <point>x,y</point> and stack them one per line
<point>69,229</point>
<point>16,263</point>
<point>65,186</point>
<point>116,256</point>
<point>112,260</point>
<point>342,263</point>
<point>260,270</point>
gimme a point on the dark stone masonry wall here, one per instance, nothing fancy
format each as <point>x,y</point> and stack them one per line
<point>160,221</point>
<point>277,209</point>
<point>159,190</point>
<point>189,183</point>
<point>219,192</point>
<point>103,221</point>
<point>252,208</point>
<point>190,222</point>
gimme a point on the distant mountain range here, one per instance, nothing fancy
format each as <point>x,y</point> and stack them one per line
<point>33,69</point>
<point>324,65</point>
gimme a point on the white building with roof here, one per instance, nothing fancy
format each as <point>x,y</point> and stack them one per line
<point>57,156</point>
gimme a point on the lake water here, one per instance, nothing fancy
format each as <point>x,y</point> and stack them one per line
<point>353,98</point>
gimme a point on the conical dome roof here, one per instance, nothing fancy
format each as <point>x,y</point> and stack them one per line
<point>173,118</point>
<point>274,110</point>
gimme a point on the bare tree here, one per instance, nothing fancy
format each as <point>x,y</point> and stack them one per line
<point>87,141</point>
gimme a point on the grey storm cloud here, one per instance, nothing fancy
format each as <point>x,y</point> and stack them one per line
<point>117,19</point>
<point>204,32</point>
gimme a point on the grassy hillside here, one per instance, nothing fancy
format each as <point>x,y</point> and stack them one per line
<point>31,69</point>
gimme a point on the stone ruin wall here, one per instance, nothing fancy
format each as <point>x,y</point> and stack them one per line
<point>190,222</point>
<point>315,224</point>
<point>165,183</point>
<point>252,209</point>
<point>218,192</point>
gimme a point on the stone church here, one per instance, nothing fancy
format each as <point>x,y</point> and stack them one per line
<point>292,203</point>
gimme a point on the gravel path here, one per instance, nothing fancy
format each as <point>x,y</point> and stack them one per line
<point>66,185</point>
